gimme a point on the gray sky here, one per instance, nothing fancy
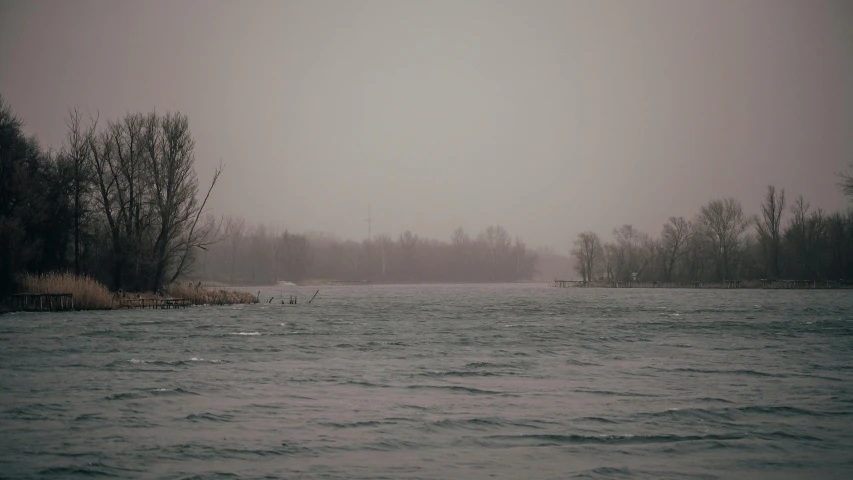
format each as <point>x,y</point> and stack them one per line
<point>549,117</point>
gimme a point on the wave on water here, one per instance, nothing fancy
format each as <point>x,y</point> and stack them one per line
<point>628,439</point>
<point>171,391</point>
<point>486,423</point>
<point>171,363</point>
<point>360,424</point>
<point>618,393</point>
<point>462,373</point>
<point>209,417</point>
<point>246,333</point>
<point>725,372</point>
<point>495,366</point>
<point>581,363</point>
<point>121,396</point>
<point>34,411</point>
<point>63,472</point>
<point>459,389</point>
<point>195,359</point>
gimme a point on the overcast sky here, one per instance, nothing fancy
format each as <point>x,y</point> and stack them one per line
<point>548,117</point>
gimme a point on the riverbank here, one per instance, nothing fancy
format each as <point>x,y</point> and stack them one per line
<point>38,292</point>
<point>761,284</point>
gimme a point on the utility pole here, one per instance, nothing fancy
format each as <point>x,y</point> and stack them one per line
<point>369,225</point>
<point>369,240</point>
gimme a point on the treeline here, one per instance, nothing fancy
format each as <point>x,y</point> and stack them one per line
<point>793,242</point>
<point>119,202</point>
<point>260,255</point>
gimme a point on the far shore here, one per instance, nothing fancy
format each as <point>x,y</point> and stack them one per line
<point>757,284</point>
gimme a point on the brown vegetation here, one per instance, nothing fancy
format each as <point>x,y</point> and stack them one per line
<point>89,294</point>
<point>200,295</point>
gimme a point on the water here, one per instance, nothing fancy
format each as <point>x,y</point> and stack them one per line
<point>510,381</point>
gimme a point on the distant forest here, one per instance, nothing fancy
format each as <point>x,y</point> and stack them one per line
<point>259,254</point>
<point>793,242</point>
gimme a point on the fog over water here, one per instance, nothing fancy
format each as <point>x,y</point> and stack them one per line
<point>549,118</point>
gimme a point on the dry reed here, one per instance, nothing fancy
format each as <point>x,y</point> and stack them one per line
<point>88,293</point>
<point>199,295</point>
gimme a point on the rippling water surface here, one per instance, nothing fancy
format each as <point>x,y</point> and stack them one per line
<point>508,381</point>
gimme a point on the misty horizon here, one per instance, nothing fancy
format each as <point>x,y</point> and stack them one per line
<point>550,121</point>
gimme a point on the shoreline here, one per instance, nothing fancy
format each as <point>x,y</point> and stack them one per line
<point>177,297</point>
<point>730,285</point>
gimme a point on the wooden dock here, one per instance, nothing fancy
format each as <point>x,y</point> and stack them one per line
<point>568,283</point>
<point>40,302</point>
<point>797,284</point>
<point>149,302</point>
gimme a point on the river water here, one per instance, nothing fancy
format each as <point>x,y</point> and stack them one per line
<point>444,381</point>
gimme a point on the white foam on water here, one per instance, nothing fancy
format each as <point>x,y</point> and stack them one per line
<point>246,333</point>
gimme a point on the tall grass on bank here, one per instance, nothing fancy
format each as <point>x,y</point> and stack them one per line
<point>199,295</point>
<point>89,294</point>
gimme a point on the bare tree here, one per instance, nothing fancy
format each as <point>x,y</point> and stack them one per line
<point>497,241</point>
<point>724,222</point>
<point>806,236</point>
<point>258,243</point>
<point>632,252</point>
<point>386,244</point>
<point>79,154</point>
<point>587,249</point>
<point>674,237</point>
<point>522,259</point>
<point>127,167</point>
<point>648,248</point>
<point>107,185</point>
<point>169,160</point>
<point>295,254</point>
<point>846,183</point>
<point>408,245</point>
<point>697,254</point>
<point>611,262</point>
<point>461,242</point>
<point>459,237</point>
<point>839,242</point>
<point>769,228</point>
<point>235,228</point>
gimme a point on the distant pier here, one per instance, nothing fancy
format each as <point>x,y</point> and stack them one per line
<point>142,302</point>
<point>40,302</point>
<point>803,284</point>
